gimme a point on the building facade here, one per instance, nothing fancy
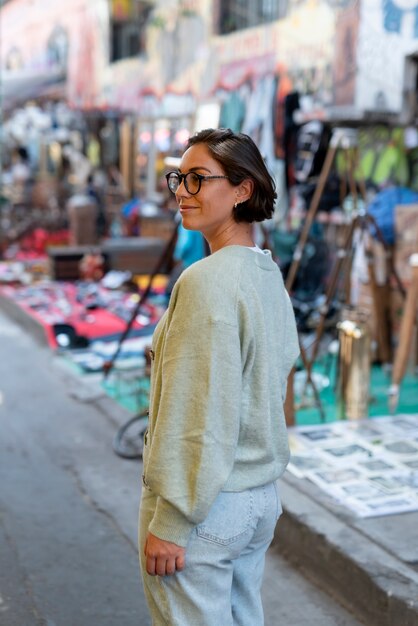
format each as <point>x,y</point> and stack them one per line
<point>172,66</point>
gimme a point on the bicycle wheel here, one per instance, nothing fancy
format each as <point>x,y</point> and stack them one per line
<point>128,442</point>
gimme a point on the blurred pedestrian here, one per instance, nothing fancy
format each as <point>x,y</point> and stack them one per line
<point>95,192</point>
<point>189,248</point>
<point>21,175</point>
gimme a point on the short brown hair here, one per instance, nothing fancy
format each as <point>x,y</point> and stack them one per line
<point>241,159</point>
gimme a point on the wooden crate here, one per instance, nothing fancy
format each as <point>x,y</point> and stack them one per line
<point>65,261</point>
<point>138,255</point>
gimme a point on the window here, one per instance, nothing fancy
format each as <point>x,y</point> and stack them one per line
<point>238,14</point>
<point>410,90</point>
<point>129,19</point>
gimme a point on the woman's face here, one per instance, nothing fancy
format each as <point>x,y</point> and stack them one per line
<point>210,210</point>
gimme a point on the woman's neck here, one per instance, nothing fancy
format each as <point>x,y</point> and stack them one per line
<point>236,234</point>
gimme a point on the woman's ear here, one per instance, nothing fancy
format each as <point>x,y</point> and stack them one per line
<point>245,190</point>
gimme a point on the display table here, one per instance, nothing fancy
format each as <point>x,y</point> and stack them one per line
<point>138,255</point>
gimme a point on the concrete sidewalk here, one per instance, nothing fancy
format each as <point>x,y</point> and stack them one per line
<point>369,565</point>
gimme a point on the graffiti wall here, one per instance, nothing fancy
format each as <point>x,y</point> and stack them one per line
<point>177,50</point>
<point>70,35</point>
<point>335,53</point>
<point>299,46</point>
<point>257,74</point>
<point>345,59</point>
<point>388,32</point>
<point>184,57</point>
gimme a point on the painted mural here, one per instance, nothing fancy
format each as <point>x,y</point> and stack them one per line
<point>68,38</point>
<point>184,57</point>
<point>388,32</point>
<point>262,72</point>
<point>34,35</point>
<point>401,17</point>
<point>345,59</point>
<point>334,53</point>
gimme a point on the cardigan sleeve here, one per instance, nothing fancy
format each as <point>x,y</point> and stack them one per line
<point>195,434</point>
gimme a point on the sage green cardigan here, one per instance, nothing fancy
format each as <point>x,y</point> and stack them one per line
<point>222,353</point>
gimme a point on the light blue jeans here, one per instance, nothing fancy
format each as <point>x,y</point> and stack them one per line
<point>220,585</point>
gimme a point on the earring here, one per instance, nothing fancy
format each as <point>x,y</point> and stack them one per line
<point>236,204</point>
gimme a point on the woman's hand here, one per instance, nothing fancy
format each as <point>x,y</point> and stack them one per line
<point>163,558</point>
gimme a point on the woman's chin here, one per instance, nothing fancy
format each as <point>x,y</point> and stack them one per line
<point>188,222</point>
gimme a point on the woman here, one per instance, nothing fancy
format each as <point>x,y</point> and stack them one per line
<point>217,438</point>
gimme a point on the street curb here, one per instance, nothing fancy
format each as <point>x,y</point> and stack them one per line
<point>26,321</point>
<point>79,387</point>
<point>369,581</point>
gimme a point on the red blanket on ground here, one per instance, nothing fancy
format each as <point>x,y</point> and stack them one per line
<point>51,303</point>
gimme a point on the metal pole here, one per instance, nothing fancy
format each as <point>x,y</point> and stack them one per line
<point>152,163</point>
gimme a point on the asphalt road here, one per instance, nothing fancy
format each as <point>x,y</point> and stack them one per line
<point>68,508</point>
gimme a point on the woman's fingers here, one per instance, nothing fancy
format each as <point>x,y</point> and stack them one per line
<point>180,563</point>
<point>162,557</point>
<point>161,566</point>
<point>150,566</point>
<point>170,567</point>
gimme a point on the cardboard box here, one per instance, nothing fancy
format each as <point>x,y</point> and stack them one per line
<point>138,255</point>
<point>161,227</point>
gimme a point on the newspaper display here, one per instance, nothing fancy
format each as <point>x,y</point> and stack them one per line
<point>369,466</point>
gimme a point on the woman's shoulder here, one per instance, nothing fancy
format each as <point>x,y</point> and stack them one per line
<point>222,267</point>
<point>207,283</point>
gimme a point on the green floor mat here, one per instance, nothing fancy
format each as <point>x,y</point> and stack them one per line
<point>132,393</point>
<point>378,405</point>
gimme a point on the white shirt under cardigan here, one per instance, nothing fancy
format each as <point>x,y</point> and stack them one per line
<point>222,354</point>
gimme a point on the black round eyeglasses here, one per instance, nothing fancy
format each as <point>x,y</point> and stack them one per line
<point>192,181</point>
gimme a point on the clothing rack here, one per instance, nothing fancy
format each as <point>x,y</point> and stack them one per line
<point>346,139</point>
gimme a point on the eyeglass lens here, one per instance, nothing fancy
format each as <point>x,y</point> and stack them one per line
<point>191,182</point>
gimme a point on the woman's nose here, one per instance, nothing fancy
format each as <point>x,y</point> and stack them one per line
<point>181,190</point>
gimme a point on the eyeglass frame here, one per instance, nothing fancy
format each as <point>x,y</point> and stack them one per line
<point>182,178</point>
